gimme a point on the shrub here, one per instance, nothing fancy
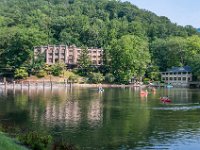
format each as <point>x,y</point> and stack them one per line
<point>73,78</point>
<point>109,78</point>
<point>41,73</point>
<point>146,80</point>
<point>20,73</point>
<point>57,69</point>
<point>96,77</point>
<point>35,140</point>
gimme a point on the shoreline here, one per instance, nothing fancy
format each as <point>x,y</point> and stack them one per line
<point>59,84</point>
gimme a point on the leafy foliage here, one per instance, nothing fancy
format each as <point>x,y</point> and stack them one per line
<point>129,57</point>
<point>84,61</point>
<point>109,78</point>
<point>41,73</point>
<point>94,23</point>
<point>35,140</point>
<point>21,73</point>
<point>96,77</point>
<point>57,69</point>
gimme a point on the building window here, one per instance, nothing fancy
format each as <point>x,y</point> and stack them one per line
<point>163,79</point>
<point>70,56</point>
<point>70,60</point>
<point>170,78</point>
<point>175,78</point>
<point>184,78</point>
<point>50,60</point>
<point>56,54</point>
<point>189,79</point>
<point>166,78</point>
<point>56,60</point>
<point>179,78</point>
<point>94,62</point>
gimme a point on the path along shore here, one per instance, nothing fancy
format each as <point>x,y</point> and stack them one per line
<point>61,84</point>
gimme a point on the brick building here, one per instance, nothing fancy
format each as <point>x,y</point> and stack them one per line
<point>67,54</point>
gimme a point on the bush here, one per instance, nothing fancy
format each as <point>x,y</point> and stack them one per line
<point>109,78</point>
<point>35,141</point>
<point>146,80</point>
<point>57,69</point>
<point>73,78</point>
<point>20,73</point>
<point>41,73</point>
<point>96,77</point>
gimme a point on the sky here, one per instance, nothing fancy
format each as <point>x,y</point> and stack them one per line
<point>182,12</point>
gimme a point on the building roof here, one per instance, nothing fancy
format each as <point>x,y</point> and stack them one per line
<point>180,69</point>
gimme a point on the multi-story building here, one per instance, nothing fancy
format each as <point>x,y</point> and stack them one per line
<point>177,76</point>
<point>67,54</point>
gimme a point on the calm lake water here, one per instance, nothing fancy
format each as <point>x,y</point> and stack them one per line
<point>118,118</point>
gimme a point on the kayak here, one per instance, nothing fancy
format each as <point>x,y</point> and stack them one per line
<point>165,100</point>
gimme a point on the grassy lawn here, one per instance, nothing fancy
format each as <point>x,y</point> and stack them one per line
<point>7,143</point>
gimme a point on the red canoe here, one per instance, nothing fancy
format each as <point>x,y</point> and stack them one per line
<point>165,100</point>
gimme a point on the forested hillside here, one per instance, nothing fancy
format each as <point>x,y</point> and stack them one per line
<point>135,41</point>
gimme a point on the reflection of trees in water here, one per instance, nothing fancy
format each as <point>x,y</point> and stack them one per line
<point>181,95</point>
<point>64,106</point>
<point>95,112</point>
<point>172,126</point>
<point>111,118</point>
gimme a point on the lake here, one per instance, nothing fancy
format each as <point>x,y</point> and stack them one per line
<point>118,118</point>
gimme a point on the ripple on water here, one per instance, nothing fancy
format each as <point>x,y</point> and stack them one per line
<point>178,108</point>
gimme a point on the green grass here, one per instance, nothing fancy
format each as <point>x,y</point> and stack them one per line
<point>7,143</point>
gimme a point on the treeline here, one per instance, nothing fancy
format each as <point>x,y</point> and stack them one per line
<point>136,42</point>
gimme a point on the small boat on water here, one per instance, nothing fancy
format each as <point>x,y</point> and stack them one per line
<point>100,89</point>
<point>144,92</point>
<point>169,86</point>
<point>165,100</point>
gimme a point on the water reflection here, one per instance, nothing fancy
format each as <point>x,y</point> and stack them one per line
<point>114,119</point>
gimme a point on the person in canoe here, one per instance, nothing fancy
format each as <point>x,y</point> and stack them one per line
<point>165,99</point>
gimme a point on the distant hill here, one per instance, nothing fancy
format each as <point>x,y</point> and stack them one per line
<point>87,22</point>
<point>198,29</point>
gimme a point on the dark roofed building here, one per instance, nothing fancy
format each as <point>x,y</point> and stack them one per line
<point>178,76</point>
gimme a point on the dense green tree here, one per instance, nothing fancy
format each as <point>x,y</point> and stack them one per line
<point>194,62</point>
<point>169,52</point>
<point>17,44</point>
<point>129,57</point>
<point>84,61</point>
<point>93,23</point>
